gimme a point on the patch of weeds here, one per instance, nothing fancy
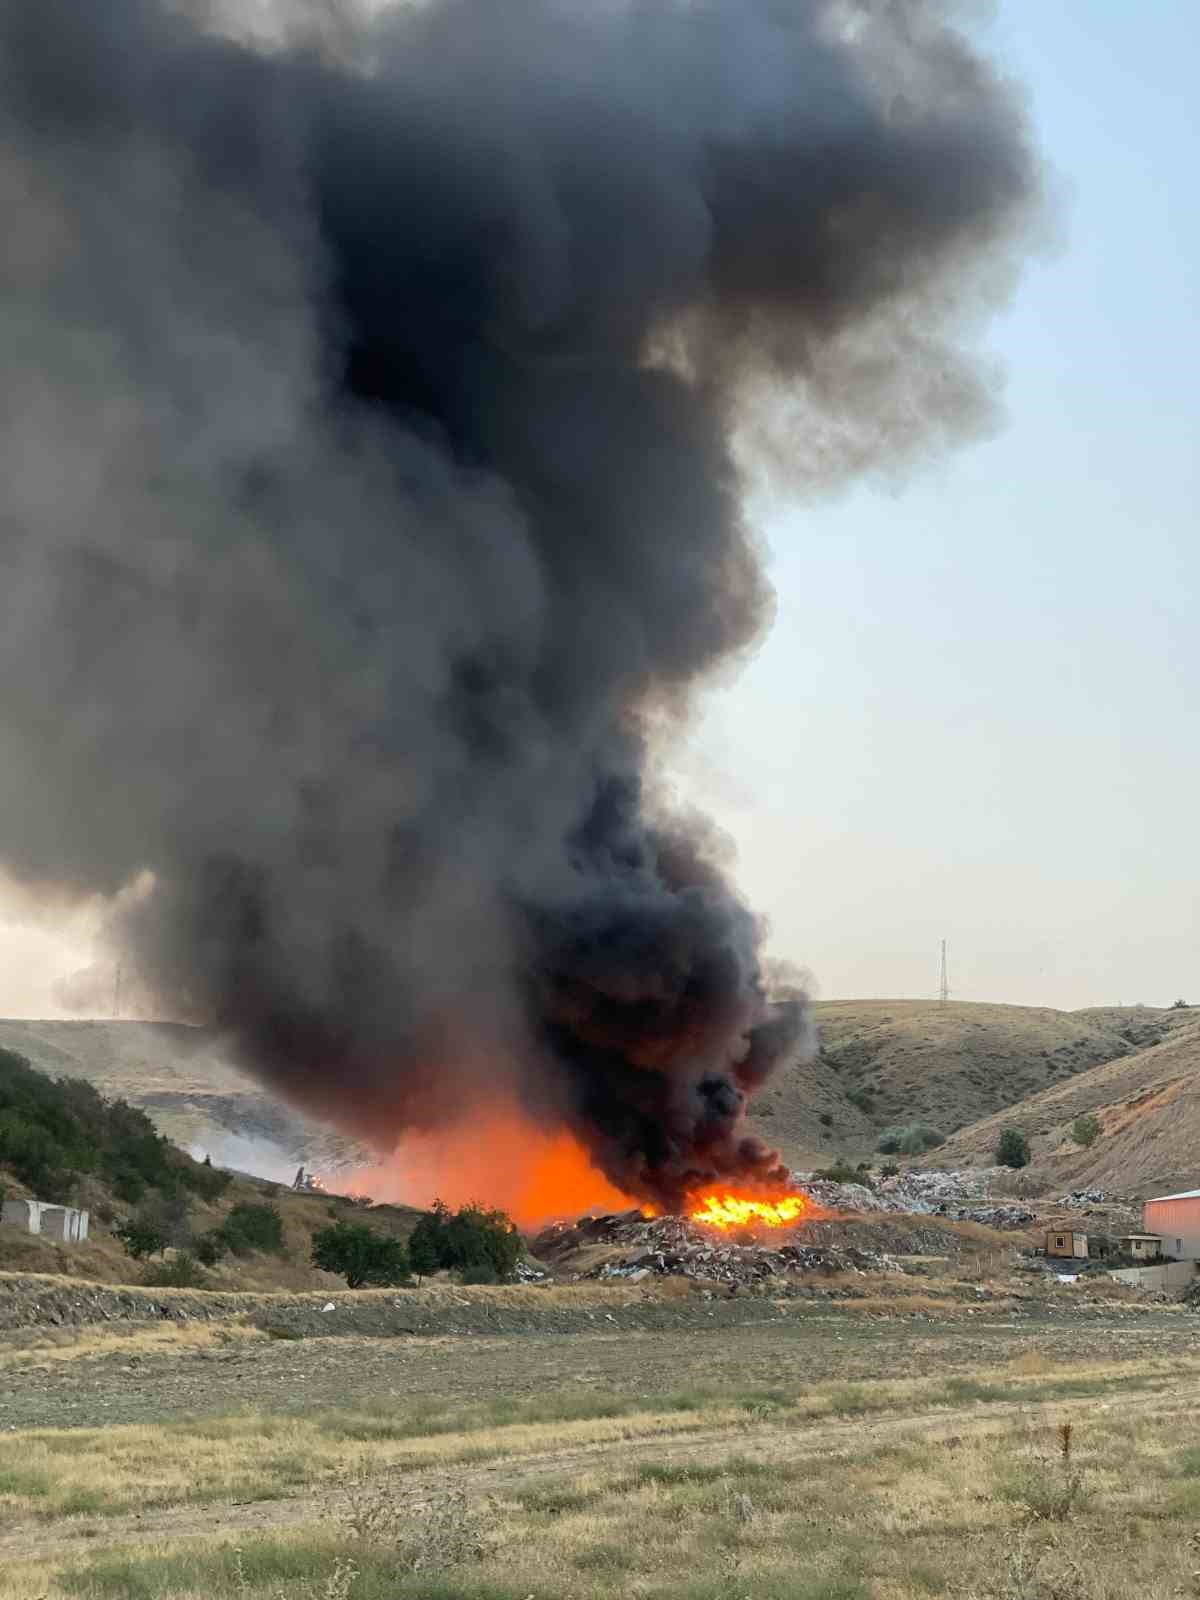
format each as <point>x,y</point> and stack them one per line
<point>604,1558</point>
<point>1189,1462</point>
<point>25,1481</point>
<point>442,1530</point>
<point>1048,1488</point>
<point>276,1330</point>
<point>554,1500</point>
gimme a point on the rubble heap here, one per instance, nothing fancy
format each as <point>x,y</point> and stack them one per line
<point>960,1196</point>
<point>633,1247</point>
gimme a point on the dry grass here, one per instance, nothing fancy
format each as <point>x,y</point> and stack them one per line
<point>901,1518</point>
<point>43,1346</point>
<point>49,1474</point>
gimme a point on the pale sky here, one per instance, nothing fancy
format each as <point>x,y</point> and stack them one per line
<point>973,719</point>
<point>975,716</point>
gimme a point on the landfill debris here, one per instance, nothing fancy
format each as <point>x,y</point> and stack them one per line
<point>329,1306</point>
<point>643,1247</point>
<point>526,1273</point>
<point>1079,1198</point>
<point>960,1196</point>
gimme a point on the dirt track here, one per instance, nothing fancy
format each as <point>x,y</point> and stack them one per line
<point>761,1441</point>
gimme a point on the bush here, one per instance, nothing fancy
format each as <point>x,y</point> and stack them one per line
<point>840,1172</point>
<point>475,1237</point>
<point>210,1247</point>
<point>862,1100</point>
<point>909,1139</point>
<point>141,1239</point>
<point>250,1226</point>
<point>825,1119</point>
<point>889,1170</point>
<point>1012,1149</point>
<point>360,1255</point>
<point>181,1273</point>
<point>1086,1130</point>
<point>479,1274</point>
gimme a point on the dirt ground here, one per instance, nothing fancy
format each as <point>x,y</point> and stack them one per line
<point>746,1344</point>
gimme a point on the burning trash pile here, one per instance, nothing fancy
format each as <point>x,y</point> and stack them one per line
<point>635,1247</point>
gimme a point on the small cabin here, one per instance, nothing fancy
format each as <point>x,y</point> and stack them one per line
<point>1142,1246</point>
<point>1067,1243</point>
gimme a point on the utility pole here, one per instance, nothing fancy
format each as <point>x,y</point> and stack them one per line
<point>944,984</point>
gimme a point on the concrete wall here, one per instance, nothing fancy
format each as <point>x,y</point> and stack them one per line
<point>23,1214</point>
<point>1178,1224</point>
<point>1175,1276</point>
<point>65,1223</point>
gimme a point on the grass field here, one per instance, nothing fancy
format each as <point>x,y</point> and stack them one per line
<point>883,1488</point>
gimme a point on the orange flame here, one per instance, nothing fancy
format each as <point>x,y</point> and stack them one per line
<point>500,1158</point>
<point>740,1211</point>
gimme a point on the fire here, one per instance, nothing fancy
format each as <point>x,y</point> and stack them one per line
<point>500,1158</point>
<point>739,1211</point>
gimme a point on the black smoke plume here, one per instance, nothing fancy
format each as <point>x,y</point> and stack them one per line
<point>370,502</point>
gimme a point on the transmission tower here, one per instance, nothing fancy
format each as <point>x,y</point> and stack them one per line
<point>944,983</point>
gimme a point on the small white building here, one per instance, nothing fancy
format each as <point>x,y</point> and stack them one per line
<point>64,1223</point>
<point>1175,1218</point>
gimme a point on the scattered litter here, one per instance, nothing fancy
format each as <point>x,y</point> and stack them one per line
<point>329,1306</point>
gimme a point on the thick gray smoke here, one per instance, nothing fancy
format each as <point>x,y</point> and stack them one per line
<point>367,497</point>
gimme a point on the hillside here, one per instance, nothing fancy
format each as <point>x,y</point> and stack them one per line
<point>883,1062</point>
<point>1148,1104</point>
<point>62,1141</point>
<point>184,1079</point>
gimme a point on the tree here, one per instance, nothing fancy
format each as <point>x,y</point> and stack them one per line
<point>476,1239</point>
<point>141,1239</point>
<point>424,1245</point>
<point>1012,1150</point>
<point>360,1255</point>
<point>1086,1130</point>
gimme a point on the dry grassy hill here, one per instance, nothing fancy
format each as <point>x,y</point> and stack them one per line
<point>1148,1104</point>
<point>184,1079</point>
<point>900,1061</point>
<point>881,1062</point>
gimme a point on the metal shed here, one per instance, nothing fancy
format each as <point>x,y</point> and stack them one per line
<point>1176,1220</point>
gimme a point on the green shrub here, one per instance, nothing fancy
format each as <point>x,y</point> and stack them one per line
<point>862,1100</point>
<point>840,1172</point>
<point>1086,1130</point>
<point>474,1237</point>
<point>183,1272</point>
<point>1012,1149</point>
<point>210,1247</point>
<point>360,1255</point>
<point>250,1226</point>
<point>825,1119</point>
<point>889,1170</point>
<point>141,1239</point>
<point>909,1139</point>
<point>483,1273</point>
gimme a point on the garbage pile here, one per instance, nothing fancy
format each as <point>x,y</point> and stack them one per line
<point>960,1196</point>
<point>1079,1198</point>
<point>633,1247</point>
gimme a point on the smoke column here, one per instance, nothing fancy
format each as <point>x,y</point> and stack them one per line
<point>369,498</point>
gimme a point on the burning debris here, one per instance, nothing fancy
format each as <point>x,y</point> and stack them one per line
<point>635,1247</point>
<point>396,506</point>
